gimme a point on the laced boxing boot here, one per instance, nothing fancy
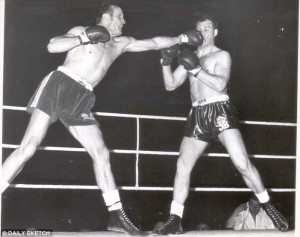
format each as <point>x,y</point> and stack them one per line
<point>277,218</point>
<point>172,226</point>
<point>119,222</point>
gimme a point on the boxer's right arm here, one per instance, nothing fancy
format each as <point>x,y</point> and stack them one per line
<point>64,43</point>
<point>173,80</point>
<point>191,37</point>
<point>167,54</point>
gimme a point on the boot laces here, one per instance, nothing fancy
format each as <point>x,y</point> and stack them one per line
<point>274,213</point>
<point>171,218</point>
<point>127,220</point>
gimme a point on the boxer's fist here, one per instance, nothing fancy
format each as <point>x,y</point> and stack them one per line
<point>94,35</point>
<point>190,61</point>
<point>167,54</point>
<point>192,37</point>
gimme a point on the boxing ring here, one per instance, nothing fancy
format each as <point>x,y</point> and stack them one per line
<point>138,187</point>
<point>29,190</point>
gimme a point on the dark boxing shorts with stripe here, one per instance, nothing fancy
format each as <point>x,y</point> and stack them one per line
<point>209,117</point>
<point>65,96</point>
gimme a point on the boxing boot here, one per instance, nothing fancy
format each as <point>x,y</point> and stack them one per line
<point>119,222</point>
<point>277,218</point>
<point>172,226</point>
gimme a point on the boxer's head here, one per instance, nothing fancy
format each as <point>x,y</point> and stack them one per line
<point>209,29</point>
<point>207,18</point>
<point>111,16</point>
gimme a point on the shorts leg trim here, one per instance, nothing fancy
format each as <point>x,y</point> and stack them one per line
<point>39,92</point>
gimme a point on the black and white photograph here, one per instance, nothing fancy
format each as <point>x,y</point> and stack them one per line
<point>149,118</point>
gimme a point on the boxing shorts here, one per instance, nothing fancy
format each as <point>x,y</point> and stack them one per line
<point>209,117</point>
<point>65,96</point>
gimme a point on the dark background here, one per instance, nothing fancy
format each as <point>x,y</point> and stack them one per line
<point>261,36</point>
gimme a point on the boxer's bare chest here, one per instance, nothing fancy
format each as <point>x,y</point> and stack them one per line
<point>208,62</point>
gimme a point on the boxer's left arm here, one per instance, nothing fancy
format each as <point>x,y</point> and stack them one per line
<point>219,78</point>
<point>192,37</point>
<point>155,43</point>
<point>66,42</point>
<point>77,36</point>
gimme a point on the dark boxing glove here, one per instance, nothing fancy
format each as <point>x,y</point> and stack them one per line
<point>167,54</point>
<point>189,61</point>
<point>191,37</point>
<point>94,35</point>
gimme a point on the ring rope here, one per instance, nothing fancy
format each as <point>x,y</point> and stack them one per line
<point>7,107</point>
<point>130,188</point>
<point>137,152</point>
<point>168,153</point>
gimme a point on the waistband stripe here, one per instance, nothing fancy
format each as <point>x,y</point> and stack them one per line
<point>75,77</point>
<point>210,100</point>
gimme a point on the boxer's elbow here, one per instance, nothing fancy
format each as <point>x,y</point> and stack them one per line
<point>158,43</point>
<point>55,45</point>
<point>51,47</point>
<point>169,88</point>
<point>220,88</point>
<point>221,85</point>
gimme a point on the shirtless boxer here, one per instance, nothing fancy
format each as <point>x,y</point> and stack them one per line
<point>211,116</point>
<point>67,94</point>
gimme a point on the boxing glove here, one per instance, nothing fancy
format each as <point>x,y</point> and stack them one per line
<point>190,61</point>
<point>192,37</point>
<point>94,35</point>
<point>167,54</point>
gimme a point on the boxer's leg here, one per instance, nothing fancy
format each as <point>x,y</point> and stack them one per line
<point>190,150</point>
<point>35,132</point>
<point>234,144</point>
<point>91,139</point>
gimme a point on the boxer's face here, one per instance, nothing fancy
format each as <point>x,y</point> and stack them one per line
<point>208,32</point>
<point>116,21</point>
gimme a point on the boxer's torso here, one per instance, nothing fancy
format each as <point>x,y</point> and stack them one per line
<point>92,61</point>
<point>200,90</point>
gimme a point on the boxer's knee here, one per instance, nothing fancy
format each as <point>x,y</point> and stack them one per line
<point>100,156</point>
<point>244,165</point>
<point>26,150</point>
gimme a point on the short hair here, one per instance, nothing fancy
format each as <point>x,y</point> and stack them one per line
<point>106,7</point>
<point>207,17</point>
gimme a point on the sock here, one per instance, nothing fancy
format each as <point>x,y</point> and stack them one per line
<point>116,206</point>
<point>4,185</point>
<point>112,200</point>
<point>177,209</point>
<point>263,197</point>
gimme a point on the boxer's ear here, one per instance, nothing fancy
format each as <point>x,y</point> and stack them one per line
<point>105,18</point>
<point>216,32</point>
